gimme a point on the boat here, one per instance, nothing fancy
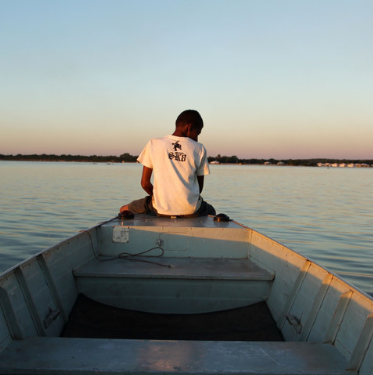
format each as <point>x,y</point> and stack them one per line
<point>141,294</point>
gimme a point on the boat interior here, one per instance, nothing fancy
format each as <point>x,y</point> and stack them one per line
<point>174,295</point>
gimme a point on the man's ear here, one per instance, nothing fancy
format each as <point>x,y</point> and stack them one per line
<point>188,128</point>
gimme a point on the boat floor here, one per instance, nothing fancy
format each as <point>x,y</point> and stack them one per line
<point>90,319</point>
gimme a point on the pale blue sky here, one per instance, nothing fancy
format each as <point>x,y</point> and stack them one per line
<point>282,79</point>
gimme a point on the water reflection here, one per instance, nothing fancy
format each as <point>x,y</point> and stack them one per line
<point>326,214</point>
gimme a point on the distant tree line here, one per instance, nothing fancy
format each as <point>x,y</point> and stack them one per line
<point>292,162</point>
<point>128,158</point>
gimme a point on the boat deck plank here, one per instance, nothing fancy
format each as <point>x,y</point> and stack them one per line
<point>107,356</point>
<point>180,268</point>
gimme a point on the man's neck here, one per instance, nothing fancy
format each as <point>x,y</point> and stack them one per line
<point>179,133</point>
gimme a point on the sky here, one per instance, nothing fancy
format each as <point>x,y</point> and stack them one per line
<point>283,79</point>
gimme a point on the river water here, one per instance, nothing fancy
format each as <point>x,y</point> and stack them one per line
<point>325,214</point>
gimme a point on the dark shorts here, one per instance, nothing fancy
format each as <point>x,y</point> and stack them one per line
<point>145,206</point>
<point>142,206</point>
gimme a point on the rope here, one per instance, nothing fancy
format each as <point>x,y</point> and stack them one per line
<point>129,256</point>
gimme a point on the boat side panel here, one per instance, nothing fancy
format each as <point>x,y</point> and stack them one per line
<point>28,300</point>
<point>352,325</point>
<point>281,261</point>
<point>15,308</point>
<point>343,311</point>
<point>309,303</point>
<point>39,299</point>
<point>62,260</point>
<point>178,242</point>
<point>5,334</point>
<point>327,321</point>
<point>367,364</point>
<point>298,312</point>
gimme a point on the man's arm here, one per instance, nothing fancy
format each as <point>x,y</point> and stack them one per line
<point>200,183</point>
<point>146,180</point>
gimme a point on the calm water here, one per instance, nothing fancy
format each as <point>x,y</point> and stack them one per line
<point>325,214</point>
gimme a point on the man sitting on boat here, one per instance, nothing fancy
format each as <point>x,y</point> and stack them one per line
<point>179,164</point>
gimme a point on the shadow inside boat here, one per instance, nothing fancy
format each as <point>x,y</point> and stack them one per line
<point>91,319</point>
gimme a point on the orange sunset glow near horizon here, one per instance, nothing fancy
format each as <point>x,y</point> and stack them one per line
<point>283,80</point>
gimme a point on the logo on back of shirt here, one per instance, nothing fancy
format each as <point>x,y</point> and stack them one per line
<point>177,146</point>
<point>177,156</point>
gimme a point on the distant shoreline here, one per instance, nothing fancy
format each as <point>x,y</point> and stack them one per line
<point>124,158</point>
<point>127,158</point>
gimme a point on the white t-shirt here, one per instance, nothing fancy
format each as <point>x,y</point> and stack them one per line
<point>176,163</point>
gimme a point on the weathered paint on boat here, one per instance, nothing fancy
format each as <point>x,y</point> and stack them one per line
<point>202,266</point>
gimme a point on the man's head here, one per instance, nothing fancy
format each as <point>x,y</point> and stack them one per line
<point>190,123</point>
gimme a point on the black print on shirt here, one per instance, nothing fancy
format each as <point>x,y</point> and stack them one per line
<point>177,156</point>
<point>177,146</point>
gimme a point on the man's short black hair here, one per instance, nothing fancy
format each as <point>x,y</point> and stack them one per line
<point>190,116</point>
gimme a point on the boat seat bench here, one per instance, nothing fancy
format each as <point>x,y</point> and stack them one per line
<point>56,355</point>
<point>174,285</point>
<point>180,268</point>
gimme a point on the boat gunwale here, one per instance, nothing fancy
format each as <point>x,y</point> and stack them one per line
<point>252,231</point>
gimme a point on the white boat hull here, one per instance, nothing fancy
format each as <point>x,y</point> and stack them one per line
<point>204,266</point>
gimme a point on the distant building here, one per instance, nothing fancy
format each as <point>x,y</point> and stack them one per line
<point>323,164</point>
